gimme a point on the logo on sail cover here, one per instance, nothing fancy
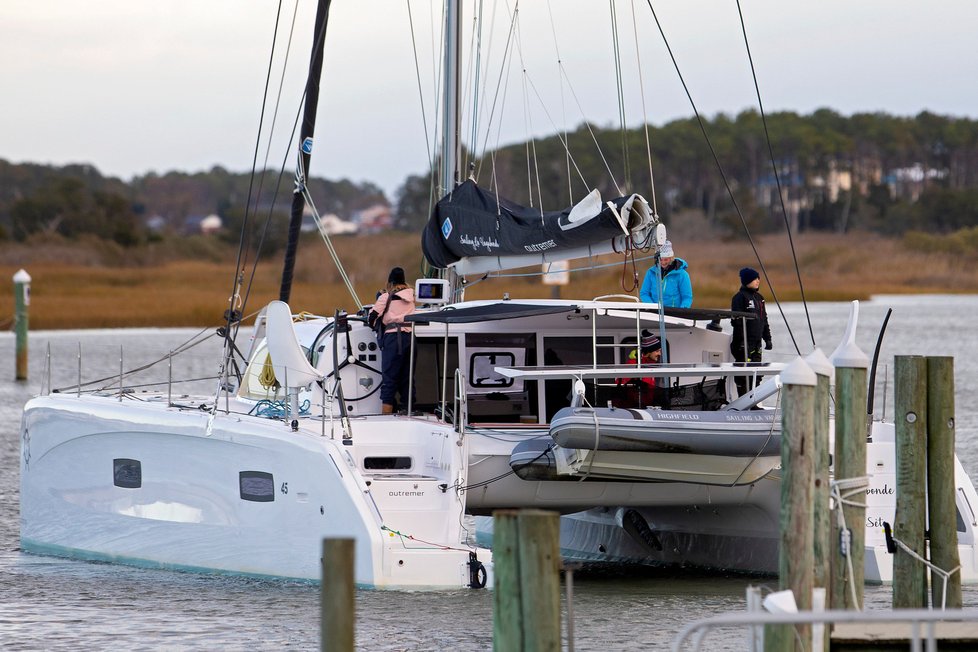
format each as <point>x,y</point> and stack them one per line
<point>446,228</point>
<point>307,146</point>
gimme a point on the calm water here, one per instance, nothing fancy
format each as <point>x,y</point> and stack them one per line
<point>54,604</point>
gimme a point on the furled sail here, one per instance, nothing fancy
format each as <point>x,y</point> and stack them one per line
<point>474,231</point>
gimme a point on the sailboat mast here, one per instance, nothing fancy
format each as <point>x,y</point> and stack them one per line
<point>450,107</point>
<point>306,131</point>
<point>451,121</point>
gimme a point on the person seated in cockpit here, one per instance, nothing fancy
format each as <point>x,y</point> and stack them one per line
<point>638,391</point>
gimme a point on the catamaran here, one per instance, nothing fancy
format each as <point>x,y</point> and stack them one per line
<point>515,403</point>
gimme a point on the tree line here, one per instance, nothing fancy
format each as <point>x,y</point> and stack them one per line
<point>870,171</point>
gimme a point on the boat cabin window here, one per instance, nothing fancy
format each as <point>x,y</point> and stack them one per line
<point>399,463</point>
<point>492,397</point>
<point>127,473</point>
<point>482,369</point>
<point>256,486</point>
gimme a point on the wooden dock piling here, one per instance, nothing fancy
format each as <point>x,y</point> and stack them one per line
<point>526,560</point>
<point>822,524</point>
<point>910,421</point>
<point>336,596</point>
<point>848,546</point>
<point>22,302</point>
<point>821,512</point>
<point>796,555</point>
<point>940,482</point>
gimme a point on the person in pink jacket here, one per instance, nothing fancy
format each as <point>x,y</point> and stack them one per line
<point>391,307</point>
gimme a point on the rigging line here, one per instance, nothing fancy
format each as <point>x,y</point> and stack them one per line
<point>594,137</point>
<point>723,176</point>
<point>505,62</point>
<point>531,144</point>
<point>271,208</point>
<point>563,108</point>
<point>185,346</point>
<point>465,116</point>
<point>417,71</point>
<point>777,177</point>
<point>477,37</point>
<point>329,246</point>
<point>440,90</point>
<point>261,183</point>
<point>565,143</point>
<point>243,237</point>
<point>485,88</point>
<point>616,48</point>
<point>499,124</point>
<point>645,114</point>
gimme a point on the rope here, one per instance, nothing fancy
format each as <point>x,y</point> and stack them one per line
<point>329,246</point>
<point>770,434</point>
<point>267,377</point>
<point>187,345</point>
<point>777,177</point>
<point>616,49</point>
<point>277,409</point>
<point>506,60</point>
<point>597,440</point>
<point>411,537</point>
<point>852,487</point>
<point>563,107</point>
<point>723,177</point>
<point>417,72</point>
<point>945,575</point>
<point>645,119</point>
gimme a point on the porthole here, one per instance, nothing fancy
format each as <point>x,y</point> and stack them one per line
<point>127,473</point>
<point>256,486</point>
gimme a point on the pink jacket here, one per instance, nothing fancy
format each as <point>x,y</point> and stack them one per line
<point>398,310</point>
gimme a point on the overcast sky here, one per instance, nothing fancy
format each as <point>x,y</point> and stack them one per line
<point>133,86</point>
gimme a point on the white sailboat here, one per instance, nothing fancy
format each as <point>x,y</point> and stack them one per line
<point>498,419</point>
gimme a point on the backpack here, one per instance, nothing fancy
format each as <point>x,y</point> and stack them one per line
<point>376,321</point>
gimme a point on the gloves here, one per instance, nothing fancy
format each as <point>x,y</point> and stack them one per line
<point>768,345</point>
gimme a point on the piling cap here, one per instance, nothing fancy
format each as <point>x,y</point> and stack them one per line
<point>850,356</point>
<point>799,373</point>
<point>22,277</point>
<point>819,363</point>
<point>847,354</point>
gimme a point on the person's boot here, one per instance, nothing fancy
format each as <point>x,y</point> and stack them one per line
<point>387,408</point>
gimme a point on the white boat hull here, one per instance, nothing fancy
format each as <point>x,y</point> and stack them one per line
<point>737,528</point>
<point>189,513</point>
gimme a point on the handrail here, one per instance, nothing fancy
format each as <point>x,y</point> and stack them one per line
<point>459,404</point>
<point>617,296</point>
<point>748,618</point>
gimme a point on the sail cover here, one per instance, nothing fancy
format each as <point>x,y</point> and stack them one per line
<point>473,226</point>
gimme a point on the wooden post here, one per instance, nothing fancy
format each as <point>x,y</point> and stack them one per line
<point>910,420</point>
<point>336,597</point>
<point>940,481</point>
<point>22,302</point>
<point>796,554</point>
<point>848,548</point>
<point>822,515</point>
<point>526,560</point>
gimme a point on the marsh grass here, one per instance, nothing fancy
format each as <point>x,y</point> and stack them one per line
<point>91,285</point>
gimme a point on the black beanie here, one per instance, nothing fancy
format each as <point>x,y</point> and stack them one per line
<point>747,275</point>
<point>396,277</point>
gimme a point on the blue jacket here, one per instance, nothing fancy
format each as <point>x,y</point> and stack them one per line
<point>677,291</point>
